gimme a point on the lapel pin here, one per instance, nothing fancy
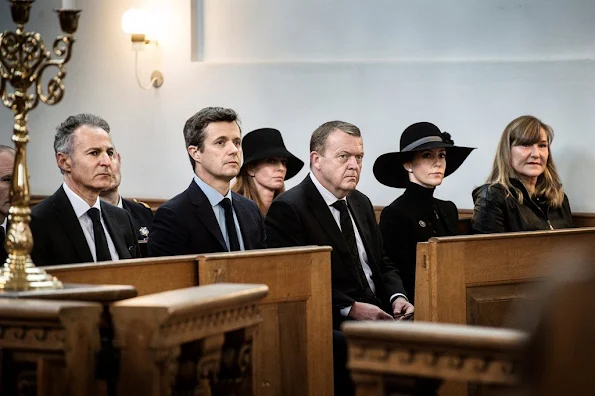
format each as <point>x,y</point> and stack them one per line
<point>422,223</point>
<point>144,231</point>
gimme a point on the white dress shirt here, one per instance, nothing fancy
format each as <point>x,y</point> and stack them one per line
<point>80,209</point>
<point>330,199</point>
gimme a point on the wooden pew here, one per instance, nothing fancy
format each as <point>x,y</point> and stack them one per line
<point>479,279</point>
<point>387,357</point>
<point>48,347</point>
<point>486,279</point>
<point>295,340</point>
<point>196,341</point>
<point>555,358</point>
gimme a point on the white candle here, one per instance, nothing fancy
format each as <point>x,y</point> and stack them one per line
<point>68,4</point>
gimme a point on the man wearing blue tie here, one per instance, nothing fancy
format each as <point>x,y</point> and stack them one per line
<point>208,217</point>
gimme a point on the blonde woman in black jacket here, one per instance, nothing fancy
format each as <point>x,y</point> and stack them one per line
<point>524,191</point>
<point>426,157</point>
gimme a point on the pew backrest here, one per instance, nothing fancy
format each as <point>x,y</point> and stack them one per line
<point>61,338</point>
<point>481,279</point>
<point>176,339</point>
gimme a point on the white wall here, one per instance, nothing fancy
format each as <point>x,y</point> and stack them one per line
<point>468,66</point>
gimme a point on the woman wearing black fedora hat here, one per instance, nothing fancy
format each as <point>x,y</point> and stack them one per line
<point>426,157</point>
<point>267,164</point>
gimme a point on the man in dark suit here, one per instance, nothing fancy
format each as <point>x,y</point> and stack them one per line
<point>6,168</point>
<point>208,217</point>
<point>73,225</point>
<point>326,209</point>
<point>142,215</point>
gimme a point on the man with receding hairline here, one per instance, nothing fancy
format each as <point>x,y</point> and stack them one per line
<point>73,225</point>
<point>326,209</point>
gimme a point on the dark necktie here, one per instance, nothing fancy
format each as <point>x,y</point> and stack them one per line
<point>101,248</point>
<point>232,235</point>
<point>349,235</point>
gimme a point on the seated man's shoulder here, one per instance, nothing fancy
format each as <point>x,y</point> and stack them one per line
<point>43,207</point>
<point>138,206</point>
<point>182,199</point>
<point>294,194</point>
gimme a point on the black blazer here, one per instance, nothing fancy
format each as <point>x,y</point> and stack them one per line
<point>58,237</point>
<point>141,216</point>
<point>301,217</point>
<point>186,224</point>
<point>415,216</point>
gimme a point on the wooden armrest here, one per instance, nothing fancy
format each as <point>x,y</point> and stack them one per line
<point>446,351</point>
<point>437,335</point>
<point>25,309</point>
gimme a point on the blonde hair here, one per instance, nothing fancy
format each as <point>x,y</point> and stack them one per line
<point>522,131</point>
<point>245,186</point>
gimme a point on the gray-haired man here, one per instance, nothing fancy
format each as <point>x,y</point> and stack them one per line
<point>73,225</point>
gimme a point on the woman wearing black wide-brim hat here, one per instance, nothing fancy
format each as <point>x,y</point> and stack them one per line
<point>267,164</point>
<point>427,156</point>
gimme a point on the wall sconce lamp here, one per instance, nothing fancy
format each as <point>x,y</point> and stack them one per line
<point>137,23</point>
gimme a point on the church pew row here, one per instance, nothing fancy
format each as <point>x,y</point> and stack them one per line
<point>294,342</point>
<point>49,346</point>
<point>555,358</point>
<point>480,279</point>
<point>196,340</point>
<point>385,357</point>
<point>486,280</point>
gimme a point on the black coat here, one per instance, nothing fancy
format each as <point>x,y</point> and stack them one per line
<point>414,217</point>
<point>59,239</point>
<point>301,217</point>
<point>141,216</point>
<point>496,211</point>
<point>186,224</point>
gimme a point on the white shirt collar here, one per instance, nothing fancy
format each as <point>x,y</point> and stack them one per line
<point>328,196</point>
<point>120,205</point>
<point>5,224</point>
<point>78,204</point>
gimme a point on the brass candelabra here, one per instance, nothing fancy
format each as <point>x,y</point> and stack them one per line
<point>23,60</point>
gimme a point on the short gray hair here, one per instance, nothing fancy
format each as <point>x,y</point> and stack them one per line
<point>7,149</point>
<point>194,129</point>
<point>320,135</point>
<point>63,142</point>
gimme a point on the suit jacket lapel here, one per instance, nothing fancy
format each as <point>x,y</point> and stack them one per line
<point>243,220</point>
<point>114,231</point>
<point>323,214</point>
<point>72,227</point>
<point>362,225</point>
<point>204,212</point>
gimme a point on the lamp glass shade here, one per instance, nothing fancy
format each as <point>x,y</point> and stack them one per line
<point>136,21</point>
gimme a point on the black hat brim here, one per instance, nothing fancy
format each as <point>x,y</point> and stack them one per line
<point>389,170</point>
<point>294,164</point>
